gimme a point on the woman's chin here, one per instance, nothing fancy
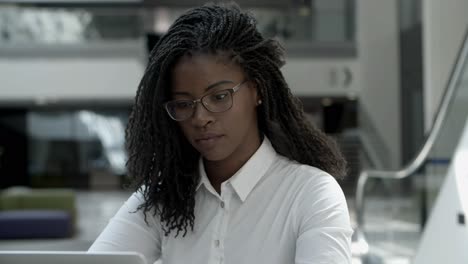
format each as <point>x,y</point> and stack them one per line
<point>213,155</point>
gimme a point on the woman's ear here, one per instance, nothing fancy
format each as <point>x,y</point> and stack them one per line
<point>258,95</point>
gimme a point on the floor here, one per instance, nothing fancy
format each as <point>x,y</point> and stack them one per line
<point>390,229</point>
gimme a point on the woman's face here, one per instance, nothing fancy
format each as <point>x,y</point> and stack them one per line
<point>217,136</point>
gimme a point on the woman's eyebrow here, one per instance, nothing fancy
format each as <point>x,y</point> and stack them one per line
<point>216,84</point>
<point>211,86</point>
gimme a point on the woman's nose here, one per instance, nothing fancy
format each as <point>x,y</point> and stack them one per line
<point>201,116</point>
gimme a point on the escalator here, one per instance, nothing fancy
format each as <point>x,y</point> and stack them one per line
<point>393,208</point>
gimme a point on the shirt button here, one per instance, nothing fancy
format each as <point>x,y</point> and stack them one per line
<point>222,204</point>
<point>217,243</point>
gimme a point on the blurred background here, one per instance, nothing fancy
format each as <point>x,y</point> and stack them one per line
<point>370,73</point>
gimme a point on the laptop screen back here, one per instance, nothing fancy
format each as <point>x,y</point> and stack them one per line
<point>70,257</point>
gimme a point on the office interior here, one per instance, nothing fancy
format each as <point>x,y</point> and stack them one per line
<point>388,79</point>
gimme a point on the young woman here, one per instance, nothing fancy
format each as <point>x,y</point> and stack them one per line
<point>228,169</point>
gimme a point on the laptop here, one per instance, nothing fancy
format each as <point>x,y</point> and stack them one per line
<point>70,257</point>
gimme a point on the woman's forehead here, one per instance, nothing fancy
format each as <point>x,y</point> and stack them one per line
<point>199,74</point>
<point>204,67</point>
<point>218,57</point>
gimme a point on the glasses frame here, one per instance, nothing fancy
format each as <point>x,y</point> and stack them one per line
<point>200,100</point>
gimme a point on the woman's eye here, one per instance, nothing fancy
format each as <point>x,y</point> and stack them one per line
<point>182,105</point>
<point>220,96</point>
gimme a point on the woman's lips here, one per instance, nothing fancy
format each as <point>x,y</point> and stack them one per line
<point>208,141</point>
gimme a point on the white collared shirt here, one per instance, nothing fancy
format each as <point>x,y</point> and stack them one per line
<point>272,211</point>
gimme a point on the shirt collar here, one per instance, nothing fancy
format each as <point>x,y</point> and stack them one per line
<point>247,177</point>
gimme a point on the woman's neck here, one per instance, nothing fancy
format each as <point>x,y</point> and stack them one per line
<point>222,170</point>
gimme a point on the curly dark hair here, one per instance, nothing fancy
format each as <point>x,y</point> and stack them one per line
<point>162,160</point>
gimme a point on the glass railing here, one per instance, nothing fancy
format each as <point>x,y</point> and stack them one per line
<point>35,26</point>
<point>398,203</point>
<point>303,24</point>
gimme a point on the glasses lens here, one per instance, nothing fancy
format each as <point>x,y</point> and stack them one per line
<point>218,101</point>
<point>180,109</point>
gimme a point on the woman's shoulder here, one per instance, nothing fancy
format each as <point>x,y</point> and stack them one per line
<point>319,197</point>
<point>309,180</point>
<point>303,171</point>
<point>137,197</point>
<point>135,202</point>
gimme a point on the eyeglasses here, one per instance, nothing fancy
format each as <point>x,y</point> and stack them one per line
<point>215,102</point>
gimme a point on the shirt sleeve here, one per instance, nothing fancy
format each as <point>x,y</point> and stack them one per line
<point>128,231</point>
<point>323,224</point>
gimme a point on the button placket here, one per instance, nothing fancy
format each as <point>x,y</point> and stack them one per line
<point>222,204</point>
<point>224,213</point>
